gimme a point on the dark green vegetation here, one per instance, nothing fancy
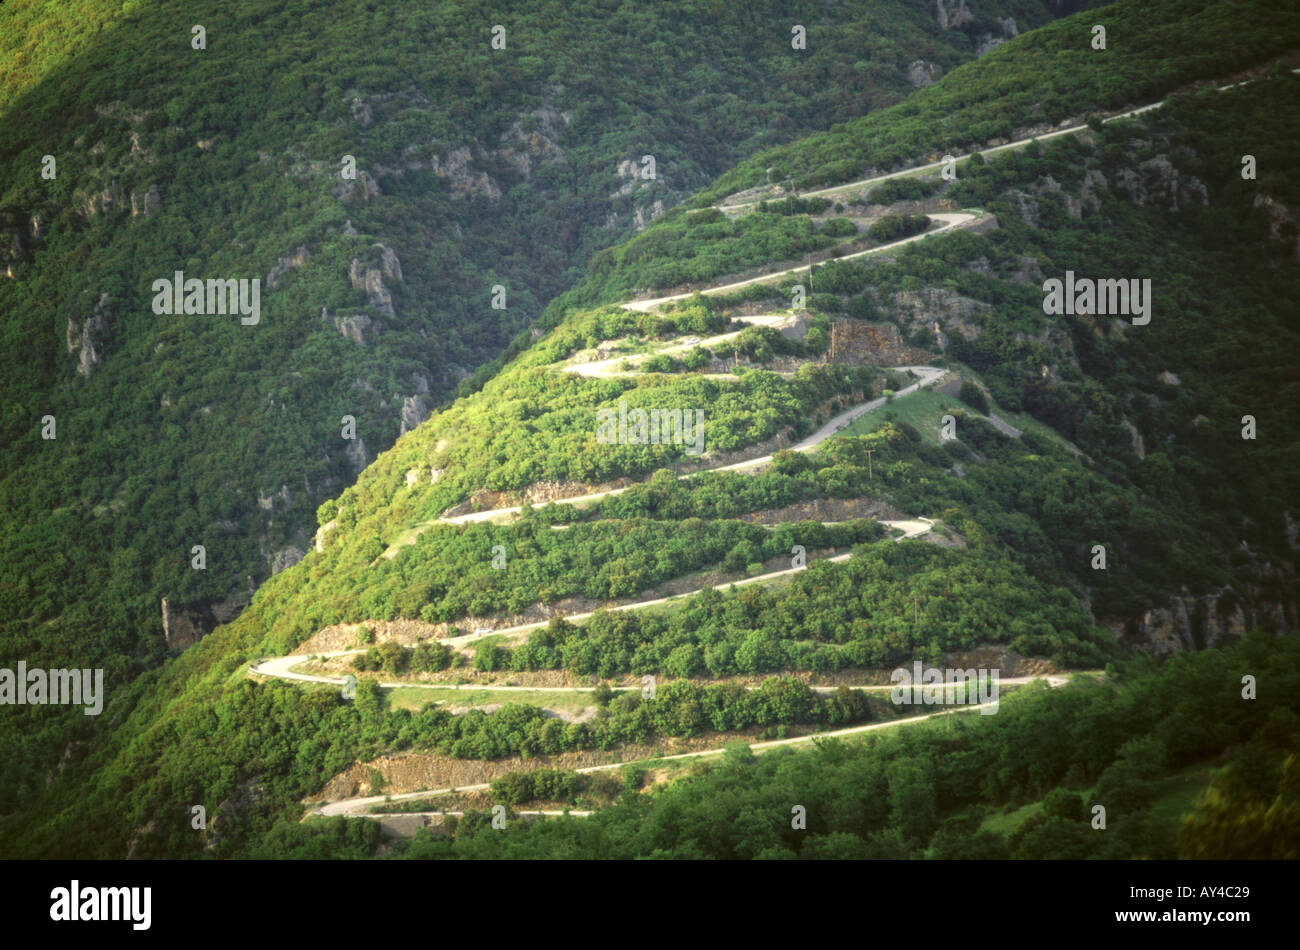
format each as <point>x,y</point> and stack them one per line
<point>1194,510</point>
<point>475,167</point>
<point>1038,81</point>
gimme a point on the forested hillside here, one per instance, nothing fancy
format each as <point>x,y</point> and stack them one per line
<point>392,178</point>
<point>474,167</point>
<point>894,405</point>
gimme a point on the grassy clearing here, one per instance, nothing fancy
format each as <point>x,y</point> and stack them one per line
<point>923,410</point>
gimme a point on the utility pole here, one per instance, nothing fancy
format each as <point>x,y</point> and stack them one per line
<point>870,475</point>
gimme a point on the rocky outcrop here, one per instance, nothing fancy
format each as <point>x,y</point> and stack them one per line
<point>93,203</point>
<point>145,203</point>
<point>953,13</point>
<point>415,409</point>
<point>363,187</point>
<point>921,73</point>
<point>267,502</point>
<point>323,531</point>
<point>358,328</point>
<point>465,182</point>
<point>186,624</point>
<point>1135,439</point>
<point>1027,203</point>
<point>1006,30</point>
<point>12,252</point>
<point>644,215</point>
<point>282,266</point>
<point>286,558</point>
<point>923,309</point>
<point>17,241</point>
<point>1282,227</point>
<point>370,278</point>
<point>87,338</point>
<point>1203,622</point>
<point>1158,182</point>
<point>341,636</point>
<point>358,454</point>
<point>534,138</point>
<point>872,344</point>
<point>362,114</point>
<point>995,657</point>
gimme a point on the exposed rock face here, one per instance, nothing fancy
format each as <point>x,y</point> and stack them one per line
<point>1139,447</point>
<point>1204,622</point>
<point>953,13</point>
<point>358,328</point>
<point>147,203</point>
<point>535,138</point>
<point>250,793</point>
<point>95,203</point>
<point>988,41</point>
<point>370,278</point>
<point>1157,182</point>
<point>629,171</point>
<point>824,509</point>
<point>285,558</point>
<point>389,263</point>
<point>643,216</point>
<point>358,455</point>
<point>1281,223</point>
<point>1291,529</point>
<point>996,657</point>
<point>267,502</point>
<point>872,344</point>
<point>323,531</point>
<point>361,111</point>
<point>415,409</point>
<point>186,624</point>
<point>922,309</point>
<point>299,257</point>
<point>1027,202</point>
<point>86,339</point>
<point>340,636</point>
<point>12,251</point>
<point>465,182</point>
<point>921,73</point>
<point>363,186</point>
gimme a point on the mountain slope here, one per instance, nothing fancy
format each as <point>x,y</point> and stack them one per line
<point>1020,513</point>
<point>475,168</point>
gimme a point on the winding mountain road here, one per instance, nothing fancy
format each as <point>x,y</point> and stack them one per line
<point>954,219</point>
<point>360,807</point>
<point>282,667</point>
